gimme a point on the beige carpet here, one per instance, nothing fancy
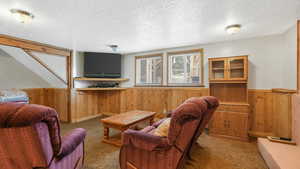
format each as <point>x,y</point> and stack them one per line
<point>214,153</point>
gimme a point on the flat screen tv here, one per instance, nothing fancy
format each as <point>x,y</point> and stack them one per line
<point>102,65</point>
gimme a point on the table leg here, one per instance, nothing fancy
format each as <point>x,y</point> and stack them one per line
<point>106,133</point>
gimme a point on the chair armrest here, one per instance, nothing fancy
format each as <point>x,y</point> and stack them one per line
<point>71,141</point>
<point>156,124</point>
<point>144,140</point>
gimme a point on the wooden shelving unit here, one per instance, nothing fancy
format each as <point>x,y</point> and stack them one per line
<point>101,79</point>
<point>228,77</point>
<point>93,80</point>
<point>100,89</point>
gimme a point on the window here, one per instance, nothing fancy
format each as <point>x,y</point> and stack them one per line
<point>148,70</point>
<point>185,68</point>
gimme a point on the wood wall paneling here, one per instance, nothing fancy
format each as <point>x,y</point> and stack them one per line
<point>89,104</point>
<point>56,98</point>
<point>270,112</point>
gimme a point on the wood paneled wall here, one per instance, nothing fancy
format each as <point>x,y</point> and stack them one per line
<point>56,98</point>
<point>89,104</point>
<point>270,111</point>
<point>157,99</point>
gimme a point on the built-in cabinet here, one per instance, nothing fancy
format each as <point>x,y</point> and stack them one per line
<point>228,82</point>
<point>228,69</point>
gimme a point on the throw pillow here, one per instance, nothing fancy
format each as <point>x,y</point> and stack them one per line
<point>163,129</point>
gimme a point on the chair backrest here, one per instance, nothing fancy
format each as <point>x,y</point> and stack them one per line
<point>33,132</point>
<point>189,119</point>
<point>25,147</point>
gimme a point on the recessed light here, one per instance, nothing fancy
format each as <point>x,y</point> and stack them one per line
<point>233,29</point>
<point>22,15</point>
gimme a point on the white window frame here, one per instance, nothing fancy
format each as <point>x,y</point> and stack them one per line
<point>198,52</point>
<point>149,76</point>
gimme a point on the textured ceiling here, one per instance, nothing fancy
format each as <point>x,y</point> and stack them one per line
<point>138,25</point>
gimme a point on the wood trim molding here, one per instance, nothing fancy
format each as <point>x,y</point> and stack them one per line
<point>185,51</point>
<point>298,56</point>
<point>70,70</point>
<point>44,65</point>
<point>149,56</point>
<point>34,46</point>
<point>286,91</point>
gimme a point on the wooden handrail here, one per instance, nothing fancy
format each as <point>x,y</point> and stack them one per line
<point>34,46</point>
<point>44,65</point>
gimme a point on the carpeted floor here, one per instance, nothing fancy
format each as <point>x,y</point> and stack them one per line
<point>214,153</point>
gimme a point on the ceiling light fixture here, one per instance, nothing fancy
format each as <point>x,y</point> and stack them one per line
<point>233,29</point>
<point>22,15</point>
<point>113,47</point>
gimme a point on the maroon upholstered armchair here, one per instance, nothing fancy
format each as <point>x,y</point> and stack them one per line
<point>30,139</point>
<point>143,150</point>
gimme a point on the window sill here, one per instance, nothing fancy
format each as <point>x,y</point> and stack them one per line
<point>167,86</point>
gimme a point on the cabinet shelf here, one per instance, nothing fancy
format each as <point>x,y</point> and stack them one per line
<point>218,69</point>
<point>236,68</point>
<point>100,89</point>
<point>101,79</point>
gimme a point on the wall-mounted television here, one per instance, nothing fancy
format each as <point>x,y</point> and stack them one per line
<point>102,65</point>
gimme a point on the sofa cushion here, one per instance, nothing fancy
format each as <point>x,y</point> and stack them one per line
<point>278,155</point>
<point>163,129</point>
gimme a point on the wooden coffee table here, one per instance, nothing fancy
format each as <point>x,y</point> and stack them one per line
<point>123,122</point>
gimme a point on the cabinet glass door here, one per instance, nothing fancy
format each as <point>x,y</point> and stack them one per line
<point>237,69</point>
<point>217,69</point>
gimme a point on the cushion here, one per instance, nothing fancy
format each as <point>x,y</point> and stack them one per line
<point>278,155</point>
<point>13,95</point>
<point>163,129</point>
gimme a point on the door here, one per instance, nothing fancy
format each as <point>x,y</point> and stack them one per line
<point>237,124</point>
<point>217,69</point>
<point>237,68</point>
<point>218,123</point>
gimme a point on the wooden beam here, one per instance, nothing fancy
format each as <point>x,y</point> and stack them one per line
<point>44,65</point>
<point>298,56</point>
<point>34,46</point>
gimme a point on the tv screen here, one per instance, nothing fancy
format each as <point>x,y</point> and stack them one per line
<point>102,65</point>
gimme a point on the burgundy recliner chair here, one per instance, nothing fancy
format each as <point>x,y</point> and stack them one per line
<point>30,139</point>
<point>143,150</point>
